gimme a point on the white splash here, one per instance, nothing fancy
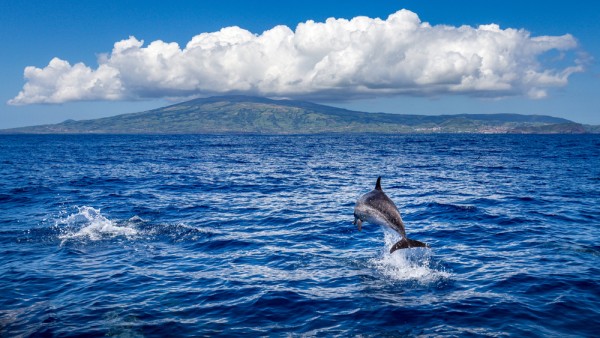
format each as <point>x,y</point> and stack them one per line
<point>89,223</point>
<point>406,265</point>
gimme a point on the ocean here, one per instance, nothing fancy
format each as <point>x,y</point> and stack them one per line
<point>252,235</point>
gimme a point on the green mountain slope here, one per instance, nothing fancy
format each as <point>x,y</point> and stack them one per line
<point>243,114</point>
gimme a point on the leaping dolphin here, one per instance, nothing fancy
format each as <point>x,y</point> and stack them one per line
<point>375,207</point>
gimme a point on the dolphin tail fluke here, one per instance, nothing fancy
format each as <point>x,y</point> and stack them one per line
<point>406,243</point>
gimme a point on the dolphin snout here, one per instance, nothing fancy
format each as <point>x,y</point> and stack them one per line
<point>358,222</point>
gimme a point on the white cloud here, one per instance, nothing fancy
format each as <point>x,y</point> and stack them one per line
<point>335,59</point>
<point>60,82</point>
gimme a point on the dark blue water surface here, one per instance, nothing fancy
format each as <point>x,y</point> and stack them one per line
<point>252,235</point>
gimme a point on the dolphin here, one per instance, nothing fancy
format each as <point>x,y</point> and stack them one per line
<point>375,207</point>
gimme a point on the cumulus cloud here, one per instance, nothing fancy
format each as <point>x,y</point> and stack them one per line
<point>337,59</point>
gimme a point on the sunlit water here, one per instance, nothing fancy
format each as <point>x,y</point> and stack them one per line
<point>252,235</point>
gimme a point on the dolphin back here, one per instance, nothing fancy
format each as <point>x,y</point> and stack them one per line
<point>406,243</point>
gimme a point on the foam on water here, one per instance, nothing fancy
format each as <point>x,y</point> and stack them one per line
<point>88,223</point>
<point>408,264</point>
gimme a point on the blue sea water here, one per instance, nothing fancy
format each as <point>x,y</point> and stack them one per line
<point>237,235</point>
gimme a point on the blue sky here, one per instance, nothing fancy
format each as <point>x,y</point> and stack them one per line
<point>565,80</point>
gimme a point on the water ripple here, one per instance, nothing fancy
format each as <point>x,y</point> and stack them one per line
<point>252,235</point>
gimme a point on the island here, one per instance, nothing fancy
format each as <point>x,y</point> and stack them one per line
<point>258,115</point>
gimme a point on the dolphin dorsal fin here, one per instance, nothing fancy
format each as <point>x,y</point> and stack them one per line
<point>378,184</point>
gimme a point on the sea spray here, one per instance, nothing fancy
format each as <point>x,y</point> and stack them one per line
<point>407,264</point>
<point>89,224</point>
